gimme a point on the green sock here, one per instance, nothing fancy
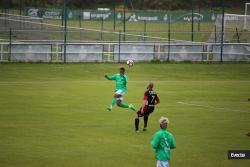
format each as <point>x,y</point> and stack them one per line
<point>113,102</point>
<point>124,105</point>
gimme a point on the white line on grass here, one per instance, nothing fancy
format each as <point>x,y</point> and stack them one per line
<point>102,81</point>
<point>211,107</point>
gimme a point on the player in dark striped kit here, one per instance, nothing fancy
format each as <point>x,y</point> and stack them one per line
<point>149,101</point>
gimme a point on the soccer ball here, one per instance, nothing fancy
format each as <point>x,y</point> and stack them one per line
<point>130,63</point>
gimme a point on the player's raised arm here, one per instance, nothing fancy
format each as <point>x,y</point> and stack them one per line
<point>110,77</point>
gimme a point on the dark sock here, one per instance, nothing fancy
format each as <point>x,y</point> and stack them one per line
<point>137,124</point>
<point>145,121</point>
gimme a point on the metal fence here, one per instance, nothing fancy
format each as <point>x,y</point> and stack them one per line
<point>94,25</point>
<point>121,51</point>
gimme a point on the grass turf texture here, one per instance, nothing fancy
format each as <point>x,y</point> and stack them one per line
<point>179,31</point>
<point>55,115</point>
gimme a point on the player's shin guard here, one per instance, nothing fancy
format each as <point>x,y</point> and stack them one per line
<point>137,124</point>
<point>145,121</point>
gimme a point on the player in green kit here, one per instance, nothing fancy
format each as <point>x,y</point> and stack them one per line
<point>121,87</point>
<point>163,142</point>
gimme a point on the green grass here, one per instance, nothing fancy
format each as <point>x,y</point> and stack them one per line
<point>179,31</point>
<point>155,31</point>
<point>55,115</point>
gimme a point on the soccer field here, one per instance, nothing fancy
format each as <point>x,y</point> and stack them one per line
<point>54,115</point>
<point>155,31</point>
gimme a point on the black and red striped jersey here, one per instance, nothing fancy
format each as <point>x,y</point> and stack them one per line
<point>152,97</point>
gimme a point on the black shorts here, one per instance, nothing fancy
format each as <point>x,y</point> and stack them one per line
<point>147,110</point>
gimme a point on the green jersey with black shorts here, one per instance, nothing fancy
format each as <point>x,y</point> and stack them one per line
<point>162,142</point>
<point>120,82</point>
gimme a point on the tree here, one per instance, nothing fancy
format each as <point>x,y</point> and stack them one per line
<point>137,4</point>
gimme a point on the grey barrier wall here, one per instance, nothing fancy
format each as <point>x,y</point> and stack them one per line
<point>113,52</point>
<point>134,52</point>
<point>84,53</point>
<point>232,52</point>
<point>1,52</point>
<point>185,52</point>
<point>30,53</point>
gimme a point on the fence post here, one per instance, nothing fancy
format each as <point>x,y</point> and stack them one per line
<point>199,11</point>
<point>1,54</point>
<point>145,29</point>
<point>20,13</point>
<point>154,52</point>
<point>222,29</point>
<point>237,34</point>
<point>192,34</point>
<point>215,34</point>
<point>5,15</point>
<point>124,19</point>
<point>62,21</point>
<point>103,52</point>
<point>51,53</point>
<point>20,7</point>
<point>65,29</point>
<point>169,36</point>
<point>80,24</point>
<point>10,45</point>
<point>114,12</point>
<point>101,28</point>
<point>119,47</point>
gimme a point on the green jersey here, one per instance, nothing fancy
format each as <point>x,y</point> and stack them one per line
<point>162,142</point>
<point>120,81</point>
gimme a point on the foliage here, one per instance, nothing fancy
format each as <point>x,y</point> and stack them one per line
<point>138,4</point>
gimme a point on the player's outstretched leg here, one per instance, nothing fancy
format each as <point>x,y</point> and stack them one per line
<point>124,105</point>
<point>132,107</point>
